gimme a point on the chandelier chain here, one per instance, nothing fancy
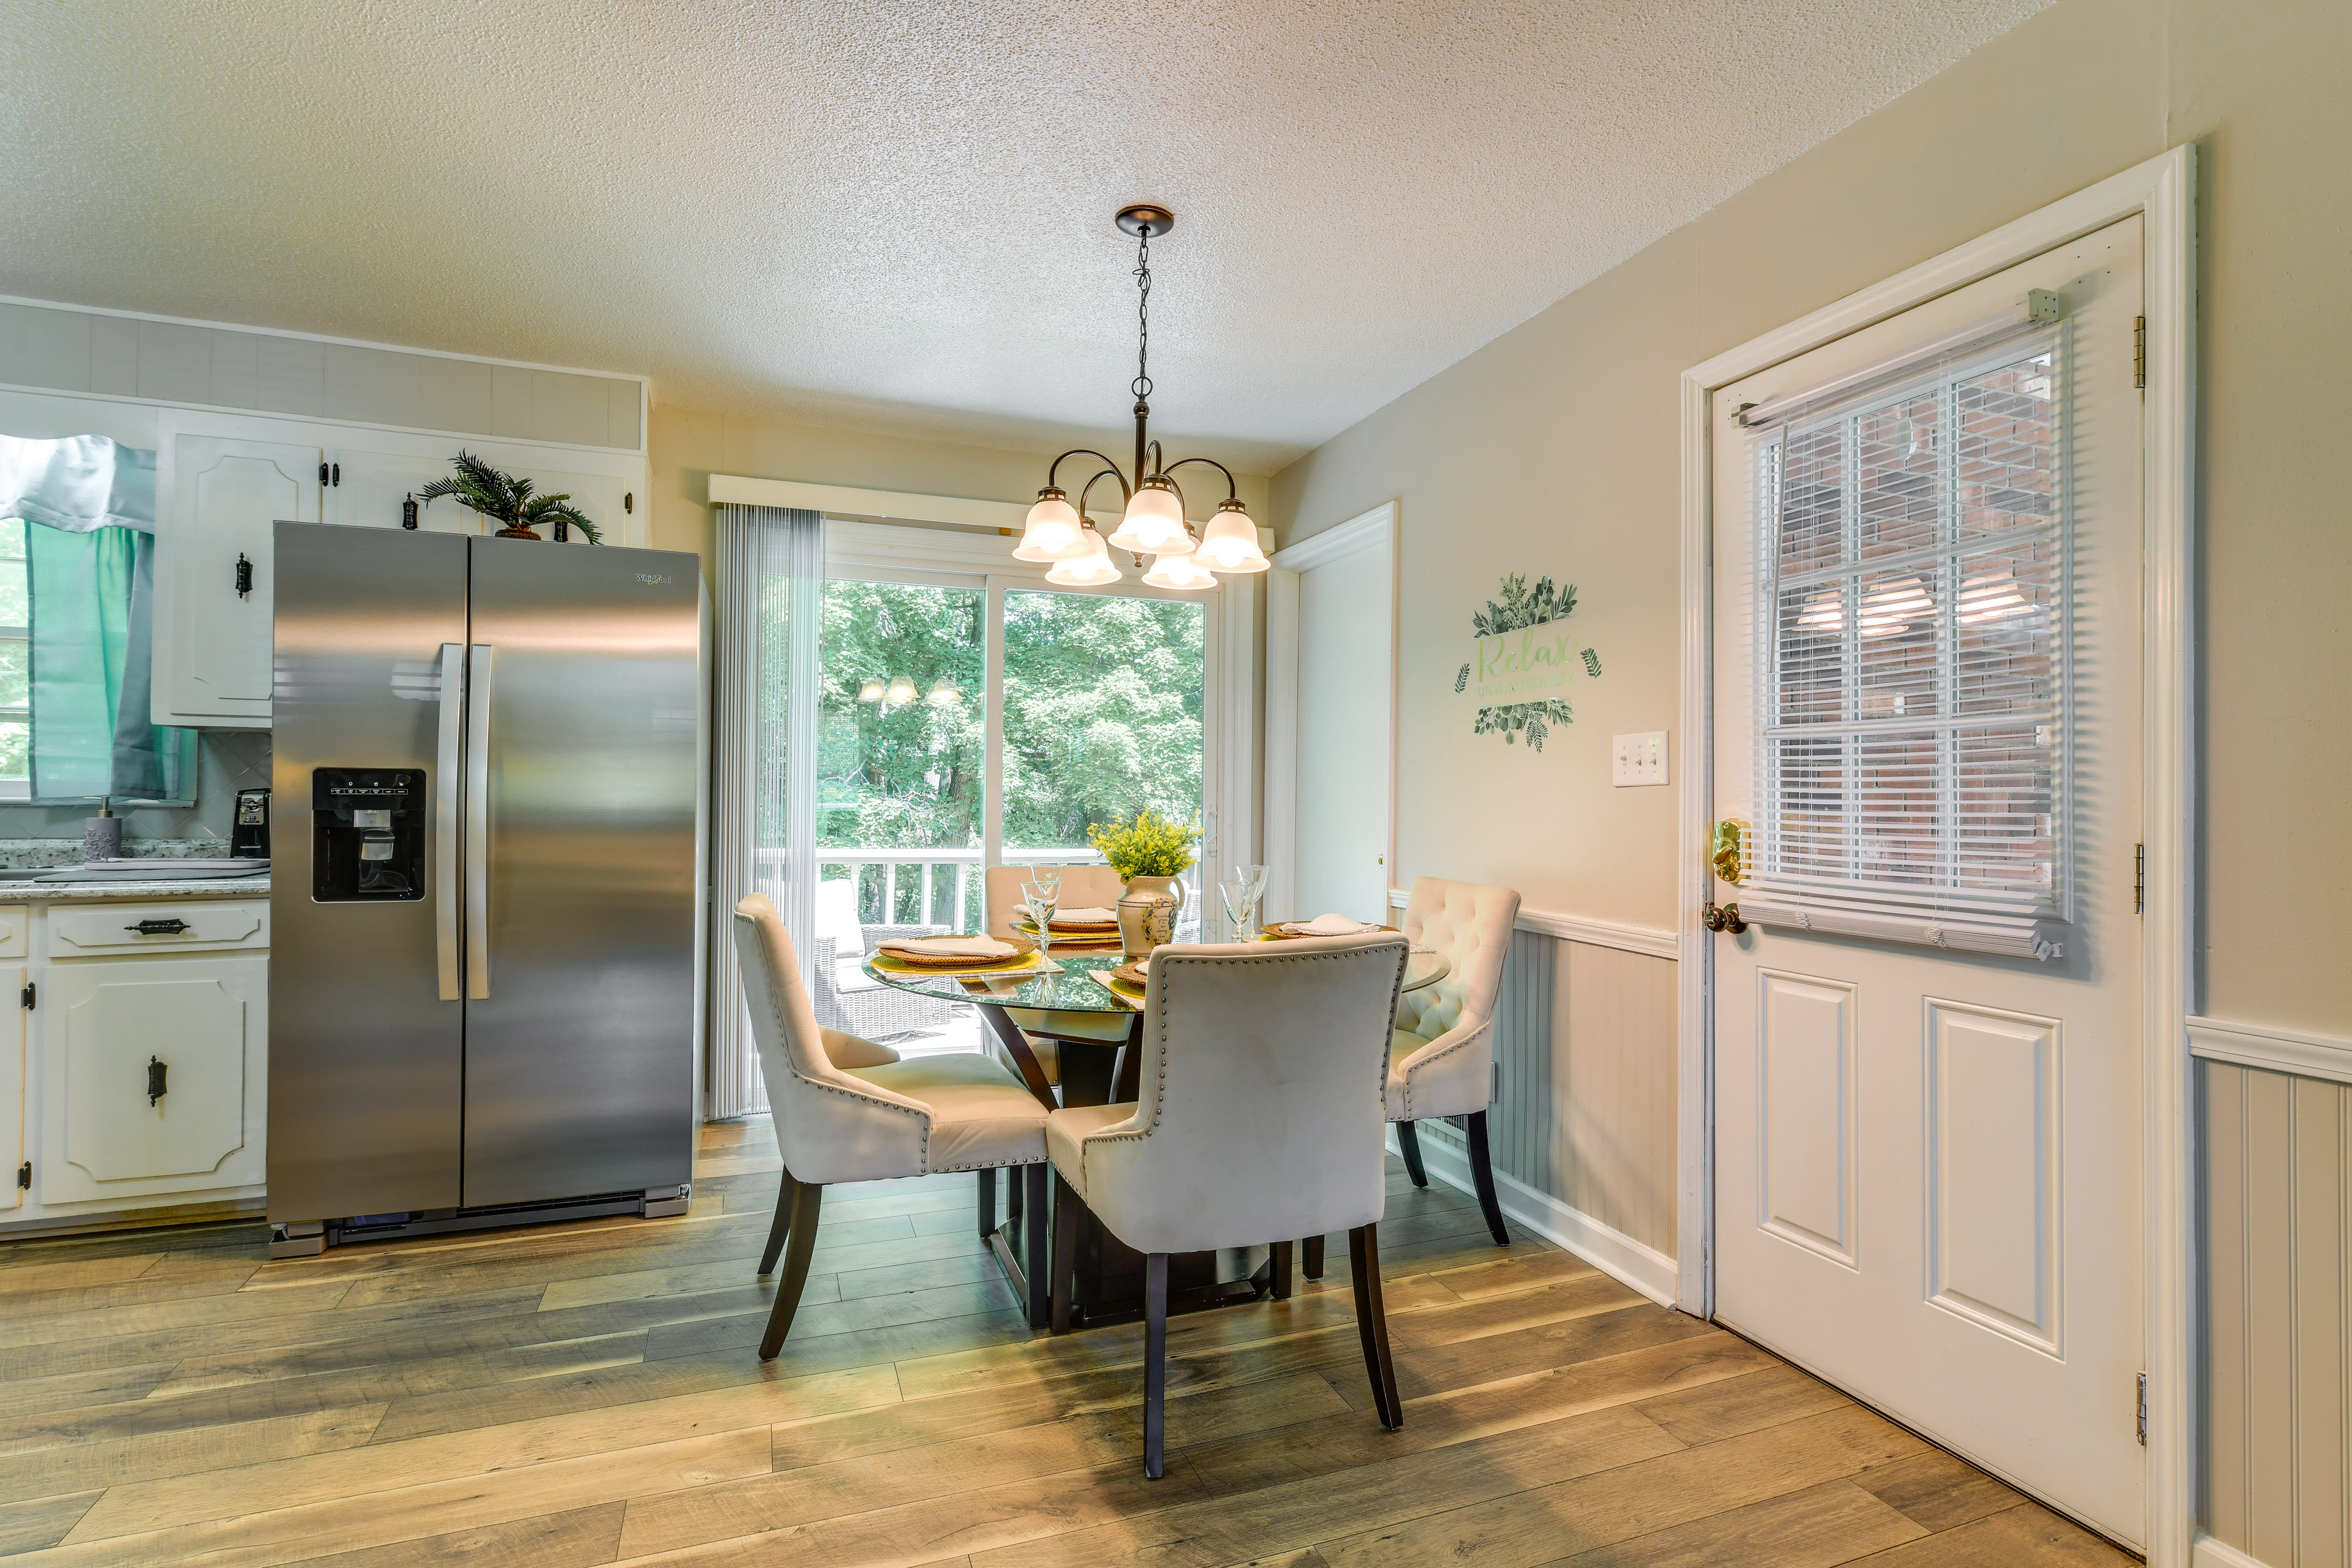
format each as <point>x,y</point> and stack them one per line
<point>1143,388</point>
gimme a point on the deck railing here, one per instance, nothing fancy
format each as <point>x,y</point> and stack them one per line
<point>904,886</point>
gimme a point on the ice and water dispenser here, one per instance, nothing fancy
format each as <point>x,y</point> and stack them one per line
<point>367,835</point>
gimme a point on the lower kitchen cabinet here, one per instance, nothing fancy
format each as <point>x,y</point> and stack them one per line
<point>12,1094</point>
<point>153,1077</point>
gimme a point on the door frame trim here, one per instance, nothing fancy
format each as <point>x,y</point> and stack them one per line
<point>1373,530</point>
<point>2162,190</point>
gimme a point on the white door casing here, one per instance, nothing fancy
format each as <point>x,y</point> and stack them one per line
<point>2162,189</point>
<point>1330,793</point>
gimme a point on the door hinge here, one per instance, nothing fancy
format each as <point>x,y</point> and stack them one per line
<point>2139,352</point>
<point>25,998</point>
<point>2143,1410</point>
<point>2139,879</point>
<point>24,1176</point>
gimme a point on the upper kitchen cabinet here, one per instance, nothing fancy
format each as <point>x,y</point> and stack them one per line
<point>212,572</point>
<point>219,494</point>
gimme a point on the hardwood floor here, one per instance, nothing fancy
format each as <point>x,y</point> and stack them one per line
<point>589,1394</point>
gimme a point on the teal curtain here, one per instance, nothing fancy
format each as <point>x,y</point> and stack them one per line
<point>89,569</point>
<point>92,598</point>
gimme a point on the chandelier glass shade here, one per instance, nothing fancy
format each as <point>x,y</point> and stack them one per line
<point>1153,522</point>
<point>1094,569</point>
<point>1054,531</point>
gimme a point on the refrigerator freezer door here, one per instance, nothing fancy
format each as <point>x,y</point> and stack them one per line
<point>580,1017</point>
<point>366,1059</point>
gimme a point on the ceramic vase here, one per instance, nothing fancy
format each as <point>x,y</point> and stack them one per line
<point>1146,913</point>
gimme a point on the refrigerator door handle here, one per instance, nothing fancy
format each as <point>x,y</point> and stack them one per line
<point>446,842</point>
<point>477,826</point>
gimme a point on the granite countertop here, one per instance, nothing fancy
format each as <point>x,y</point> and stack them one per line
<point>16,891</point>
<point>23,858</point>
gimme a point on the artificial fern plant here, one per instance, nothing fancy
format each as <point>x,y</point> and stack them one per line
<point>507,501</point>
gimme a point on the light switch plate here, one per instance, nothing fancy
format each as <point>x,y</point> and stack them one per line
<point>1638,759</point>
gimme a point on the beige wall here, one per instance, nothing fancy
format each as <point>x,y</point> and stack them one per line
<point>689,445</point>
<point>1554,449</point>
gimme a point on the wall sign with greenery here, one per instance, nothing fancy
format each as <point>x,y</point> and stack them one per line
<point>1521,661</point>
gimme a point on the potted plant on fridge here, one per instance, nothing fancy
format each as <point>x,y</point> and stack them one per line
<point>509,502</point>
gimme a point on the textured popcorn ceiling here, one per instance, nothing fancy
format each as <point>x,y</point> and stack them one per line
<point>897,216</point>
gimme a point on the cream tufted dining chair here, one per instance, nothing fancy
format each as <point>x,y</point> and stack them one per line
<point>848,1109</point>
<point>1083,887</point>
<point>1444,1063</point>
<point>1263,1075</point>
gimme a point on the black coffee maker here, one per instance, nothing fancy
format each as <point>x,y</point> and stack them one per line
<point>249,836</point>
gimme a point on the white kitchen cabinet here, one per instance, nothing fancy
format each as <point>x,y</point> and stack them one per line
<point>12,1094</point>
<point>152,1078</point>
<point>212,566</point>
<point>221,490</point>
<point>366,488</point>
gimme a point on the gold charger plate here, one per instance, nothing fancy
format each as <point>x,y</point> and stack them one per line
<point>1277,931</point>
<point>913,963</point>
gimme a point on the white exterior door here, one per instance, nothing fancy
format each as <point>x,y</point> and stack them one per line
<point>1332,722</point>
<point>1928,1161</point>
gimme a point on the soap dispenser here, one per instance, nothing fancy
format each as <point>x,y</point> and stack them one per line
<point>101,835</point>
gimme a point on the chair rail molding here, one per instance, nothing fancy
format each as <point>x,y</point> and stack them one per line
<point>1575,928</point>
<point>2274,1050</point>
<point>2162,191</point>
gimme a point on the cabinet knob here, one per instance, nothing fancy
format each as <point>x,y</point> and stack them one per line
<point>156,1087</point>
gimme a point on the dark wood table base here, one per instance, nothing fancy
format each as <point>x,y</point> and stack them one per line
<point>1107,1286</point>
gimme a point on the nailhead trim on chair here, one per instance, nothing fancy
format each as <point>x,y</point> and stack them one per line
<point>1421,1061</point>
<point>1160,1083</point>
<point>925,1116</point>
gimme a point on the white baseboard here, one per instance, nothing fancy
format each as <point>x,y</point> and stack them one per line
<point>1615,1254</point>
<point>2210,1553</point>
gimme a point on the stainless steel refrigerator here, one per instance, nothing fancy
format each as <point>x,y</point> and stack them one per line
<point>482,966</point>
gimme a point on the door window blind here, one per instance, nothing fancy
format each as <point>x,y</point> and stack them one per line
<point>1912,630</point>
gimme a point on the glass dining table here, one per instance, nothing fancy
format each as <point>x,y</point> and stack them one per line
<point>1095,1029</point>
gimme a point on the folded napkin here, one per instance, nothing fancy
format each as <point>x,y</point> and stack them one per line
<point>1088,915</point>
<point>951,947</point>
<point>1331,925</point>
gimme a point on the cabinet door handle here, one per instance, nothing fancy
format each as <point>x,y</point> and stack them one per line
<point>244,577</point>
<point>160,927</point>
<point>156,1086</point>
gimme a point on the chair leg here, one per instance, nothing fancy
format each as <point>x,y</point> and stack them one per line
<point>783,1225</point>
<point>1280,1288</point>
<point>1408,1144</point>
<point>1482,1176</point>
<point>1066,1252</point>
<point>1310,1261</point>
<point>1372,1323</point>
<point>1037,1258</point>
<point>987,1202</point>
<point>805,1202</point>
<point>1155,1365</point>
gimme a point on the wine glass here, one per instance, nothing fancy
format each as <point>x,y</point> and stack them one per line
<point>1251,878</point>
<point>1042,898</point>
<point>1241,909</point>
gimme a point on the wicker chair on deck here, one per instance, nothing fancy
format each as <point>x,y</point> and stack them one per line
<point>846,1000</point>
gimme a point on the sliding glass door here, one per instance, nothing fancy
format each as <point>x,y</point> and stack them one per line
<point>974,718</point>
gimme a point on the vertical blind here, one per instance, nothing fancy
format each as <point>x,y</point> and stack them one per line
<point>1912,656</point>
<point>770,571</point>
